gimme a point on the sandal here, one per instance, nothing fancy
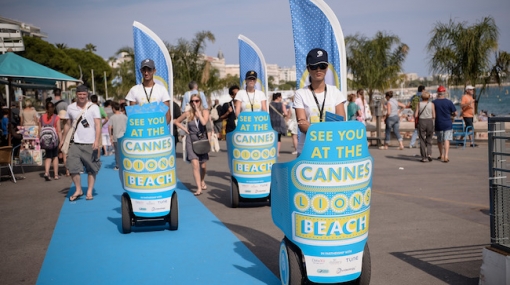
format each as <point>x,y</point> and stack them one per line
<point>197,193</point>
<point>56,177</point>
<point>47,177</point>
<point>74,197</point>
<point>67,173</point>
<point>204,187</point>
<point>89,198</point>
<point>446,160</point>
<point>383,147</point>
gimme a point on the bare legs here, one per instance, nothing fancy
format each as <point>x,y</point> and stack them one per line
<point>47,164</point>
<point>199,169</point>
<point>91,179</point>
<point>444,148</point>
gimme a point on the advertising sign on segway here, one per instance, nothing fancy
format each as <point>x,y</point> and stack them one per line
<point>321,201</point>
<point>147,166</point>
<point>251,155</point>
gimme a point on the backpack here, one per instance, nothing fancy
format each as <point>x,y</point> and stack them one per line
<point>48,138</point>
<point>214,114</point>
<point>415,100</point>
<point>55,105</point>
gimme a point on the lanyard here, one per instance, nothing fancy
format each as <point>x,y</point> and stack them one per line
<point>248,95</point>
<point>150,95</point>
<point>321,110</point>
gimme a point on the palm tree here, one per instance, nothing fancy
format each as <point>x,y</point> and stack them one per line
<point>90,48</point>
<point>501,67</point>
<point>188,61</point>
<point>61,45</point>
<point>463,52</point>
<point>375,63</point>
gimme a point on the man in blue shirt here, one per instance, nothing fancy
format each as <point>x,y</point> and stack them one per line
<point>443,123</point>
<point>193,89</point>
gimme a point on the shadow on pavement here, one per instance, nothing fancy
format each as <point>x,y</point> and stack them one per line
<point>453,265</point>
<point>264,246</point>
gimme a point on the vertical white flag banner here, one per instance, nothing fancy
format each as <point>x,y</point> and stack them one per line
<point>251,58</point>
<point>315,25</point>
<point>148,45</point>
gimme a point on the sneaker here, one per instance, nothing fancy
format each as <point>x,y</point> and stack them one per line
<point>411,146</point>
<point>294,152</point>
<point>116,168</point>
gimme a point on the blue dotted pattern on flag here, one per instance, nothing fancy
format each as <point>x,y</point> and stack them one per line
<point>146,47</point>
<point>312,29</point>
<point>249,60</point>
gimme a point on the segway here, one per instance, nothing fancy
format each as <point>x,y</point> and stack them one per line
<point>321,202</point>
<point>147,169</point>
<point>129,219</point>
<point>252,151</point>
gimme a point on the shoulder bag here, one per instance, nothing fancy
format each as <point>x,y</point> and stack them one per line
<point>202,145</point>
<point>70,133</point>
<point>417,119</point>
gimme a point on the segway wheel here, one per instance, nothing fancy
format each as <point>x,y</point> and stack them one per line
<point>291,268</point>
<point>366,268</point>
<point>173,218</point>
<point>234,195</point>
<point>126,213</point>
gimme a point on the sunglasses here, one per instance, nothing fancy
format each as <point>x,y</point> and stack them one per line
<point>146,69</point>
<point>320,65</point>
<point>195,101</point>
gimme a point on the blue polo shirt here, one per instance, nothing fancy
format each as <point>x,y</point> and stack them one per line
<point>444,109</point>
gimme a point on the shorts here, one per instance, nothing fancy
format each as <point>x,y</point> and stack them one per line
<point>51,153</point>
<point>106,139</point>
<point>444,136</point>
<point>80,156</point>
<point>468,122</point>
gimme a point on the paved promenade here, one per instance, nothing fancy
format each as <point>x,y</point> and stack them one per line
<point>429,221</point>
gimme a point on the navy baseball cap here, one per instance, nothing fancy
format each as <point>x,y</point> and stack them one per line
<point>316,56</point>
<point>148,63</point>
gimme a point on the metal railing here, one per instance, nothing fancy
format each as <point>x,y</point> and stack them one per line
<point>499,187</point>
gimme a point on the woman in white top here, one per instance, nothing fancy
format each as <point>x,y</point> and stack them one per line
<point>312,102</point>
<point>251,100</point>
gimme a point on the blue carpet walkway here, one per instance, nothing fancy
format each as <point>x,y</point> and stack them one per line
<point>88,247</point>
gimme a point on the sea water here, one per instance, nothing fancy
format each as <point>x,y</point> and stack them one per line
<point>494,100</point>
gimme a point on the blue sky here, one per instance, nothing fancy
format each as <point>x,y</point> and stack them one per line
<point>108,24</point>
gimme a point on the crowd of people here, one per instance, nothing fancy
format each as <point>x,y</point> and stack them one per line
<point>85,130</point>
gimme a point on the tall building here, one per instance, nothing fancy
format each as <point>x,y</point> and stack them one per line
<point>26,29</point>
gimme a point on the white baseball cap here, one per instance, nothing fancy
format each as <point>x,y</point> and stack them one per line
<point>469,87</point>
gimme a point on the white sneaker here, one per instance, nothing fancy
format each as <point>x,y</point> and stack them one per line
<point>294,152</point>
<point>411,146</point>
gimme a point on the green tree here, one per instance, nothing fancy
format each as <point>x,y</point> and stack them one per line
<point>50,56</point>
<point>188,61</point>
<point>61,45</point>
<point>90,48</point>
<point>463,52</point>
<point>125,74</point>
<point>375,63</point>
<point>90,61</point>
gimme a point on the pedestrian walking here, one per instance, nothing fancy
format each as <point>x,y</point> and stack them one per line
<point>84,120</point>
<point>278,115</point>
<point>196,131</point>
<point>425,115</point>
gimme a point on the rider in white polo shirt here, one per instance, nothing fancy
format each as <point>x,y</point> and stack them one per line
<point>149,91</point>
